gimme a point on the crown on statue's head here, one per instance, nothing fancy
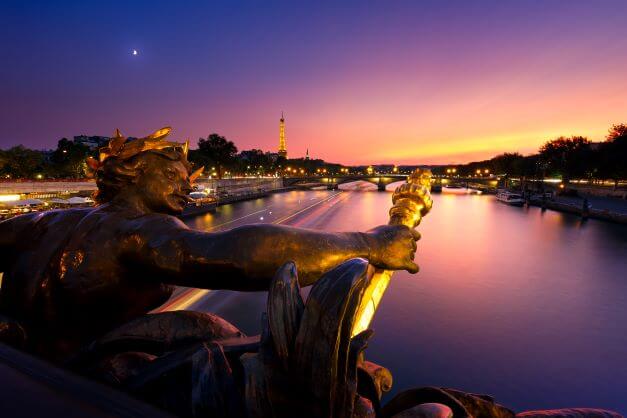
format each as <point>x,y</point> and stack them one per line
<point>120,147</point>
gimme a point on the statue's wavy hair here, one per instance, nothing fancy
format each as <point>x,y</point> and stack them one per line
<point>115,174</point>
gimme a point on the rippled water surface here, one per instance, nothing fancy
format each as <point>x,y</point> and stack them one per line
<point>528,306</point>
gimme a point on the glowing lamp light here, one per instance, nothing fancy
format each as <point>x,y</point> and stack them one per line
<point>370,302</point>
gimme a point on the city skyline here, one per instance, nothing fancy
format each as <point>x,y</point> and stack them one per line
<point>355,88</point>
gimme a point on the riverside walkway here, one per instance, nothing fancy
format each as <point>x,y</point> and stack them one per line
<point>599,207</point>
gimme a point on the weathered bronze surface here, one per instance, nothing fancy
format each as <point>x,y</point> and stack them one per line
<point>78,286</point>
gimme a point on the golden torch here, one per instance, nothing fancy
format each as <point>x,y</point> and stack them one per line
<point>411,202</point>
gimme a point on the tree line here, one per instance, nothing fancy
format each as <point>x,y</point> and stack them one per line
<point>217,154</point>
<point>567,158</point>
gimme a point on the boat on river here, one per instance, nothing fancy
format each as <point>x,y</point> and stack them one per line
<point>507,197</point>
<point>200,202</point>
<point>454,188</point>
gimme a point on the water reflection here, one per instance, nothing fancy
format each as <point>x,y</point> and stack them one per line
<point>526,305</point>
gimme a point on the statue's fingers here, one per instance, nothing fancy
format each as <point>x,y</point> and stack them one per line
<point>412,267</point>
<point>415,234</point>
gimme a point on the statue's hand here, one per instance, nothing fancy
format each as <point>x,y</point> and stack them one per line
<point>393,247</point>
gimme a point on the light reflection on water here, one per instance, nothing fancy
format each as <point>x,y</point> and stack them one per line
<point>528,306</point>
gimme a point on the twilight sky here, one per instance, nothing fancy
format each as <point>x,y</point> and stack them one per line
<point>364,82</point>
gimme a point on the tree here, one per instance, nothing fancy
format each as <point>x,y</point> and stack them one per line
<point>613,154</point>
<point>68,160</point>
<point>567,157</point>
<point>3,160</point>
<point>255,161</point>
<point>280,163</point>
<point>617,131</point>
<point>508,163</point>
<point>217,150</point>
<point>21,162</point>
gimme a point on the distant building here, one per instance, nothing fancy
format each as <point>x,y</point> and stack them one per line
<point>307,154</point>
<point>282,147</point>
<point>92,142</point>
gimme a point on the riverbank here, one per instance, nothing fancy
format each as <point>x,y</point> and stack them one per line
<point>192,210</point>
<point>593,207</point>
<point>19,197</point>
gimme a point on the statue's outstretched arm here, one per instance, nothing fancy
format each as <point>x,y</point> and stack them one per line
<point>246,258</point>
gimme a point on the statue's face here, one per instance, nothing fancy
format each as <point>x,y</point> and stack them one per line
<point>164,185</point>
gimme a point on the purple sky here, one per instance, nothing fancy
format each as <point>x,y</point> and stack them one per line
<point>364,82</point>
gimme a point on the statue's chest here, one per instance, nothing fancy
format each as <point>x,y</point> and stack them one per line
<point>84,270</point>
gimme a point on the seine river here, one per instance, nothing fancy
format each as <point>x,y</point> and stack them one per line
<point>525,305</point>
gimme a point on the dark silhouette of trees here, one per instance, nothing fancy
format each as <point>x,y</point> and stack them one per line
<point>617,131</point>
<point>612,155</point>
<point>280,163</point>
<point>509,163</point>
<point>216,151</point>
<point>68,160</point>
<point>567,157</point>
<point>21,162</point>
<point>255,161</point>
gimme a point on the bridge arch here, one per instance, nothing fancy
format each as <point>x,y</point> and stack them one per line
<point>332,182</point>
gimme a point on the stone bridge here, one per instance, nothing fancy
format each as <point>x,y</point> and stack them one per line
<point>332,182</point>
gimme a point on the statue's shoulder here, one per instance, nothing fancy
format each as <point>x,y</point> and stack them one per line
<point>49,217</point>
<point>25,228</point>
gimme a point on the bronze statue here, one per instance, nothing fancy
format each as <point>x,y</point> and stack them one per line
<point>78,285</point>
<point>71,276</point>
